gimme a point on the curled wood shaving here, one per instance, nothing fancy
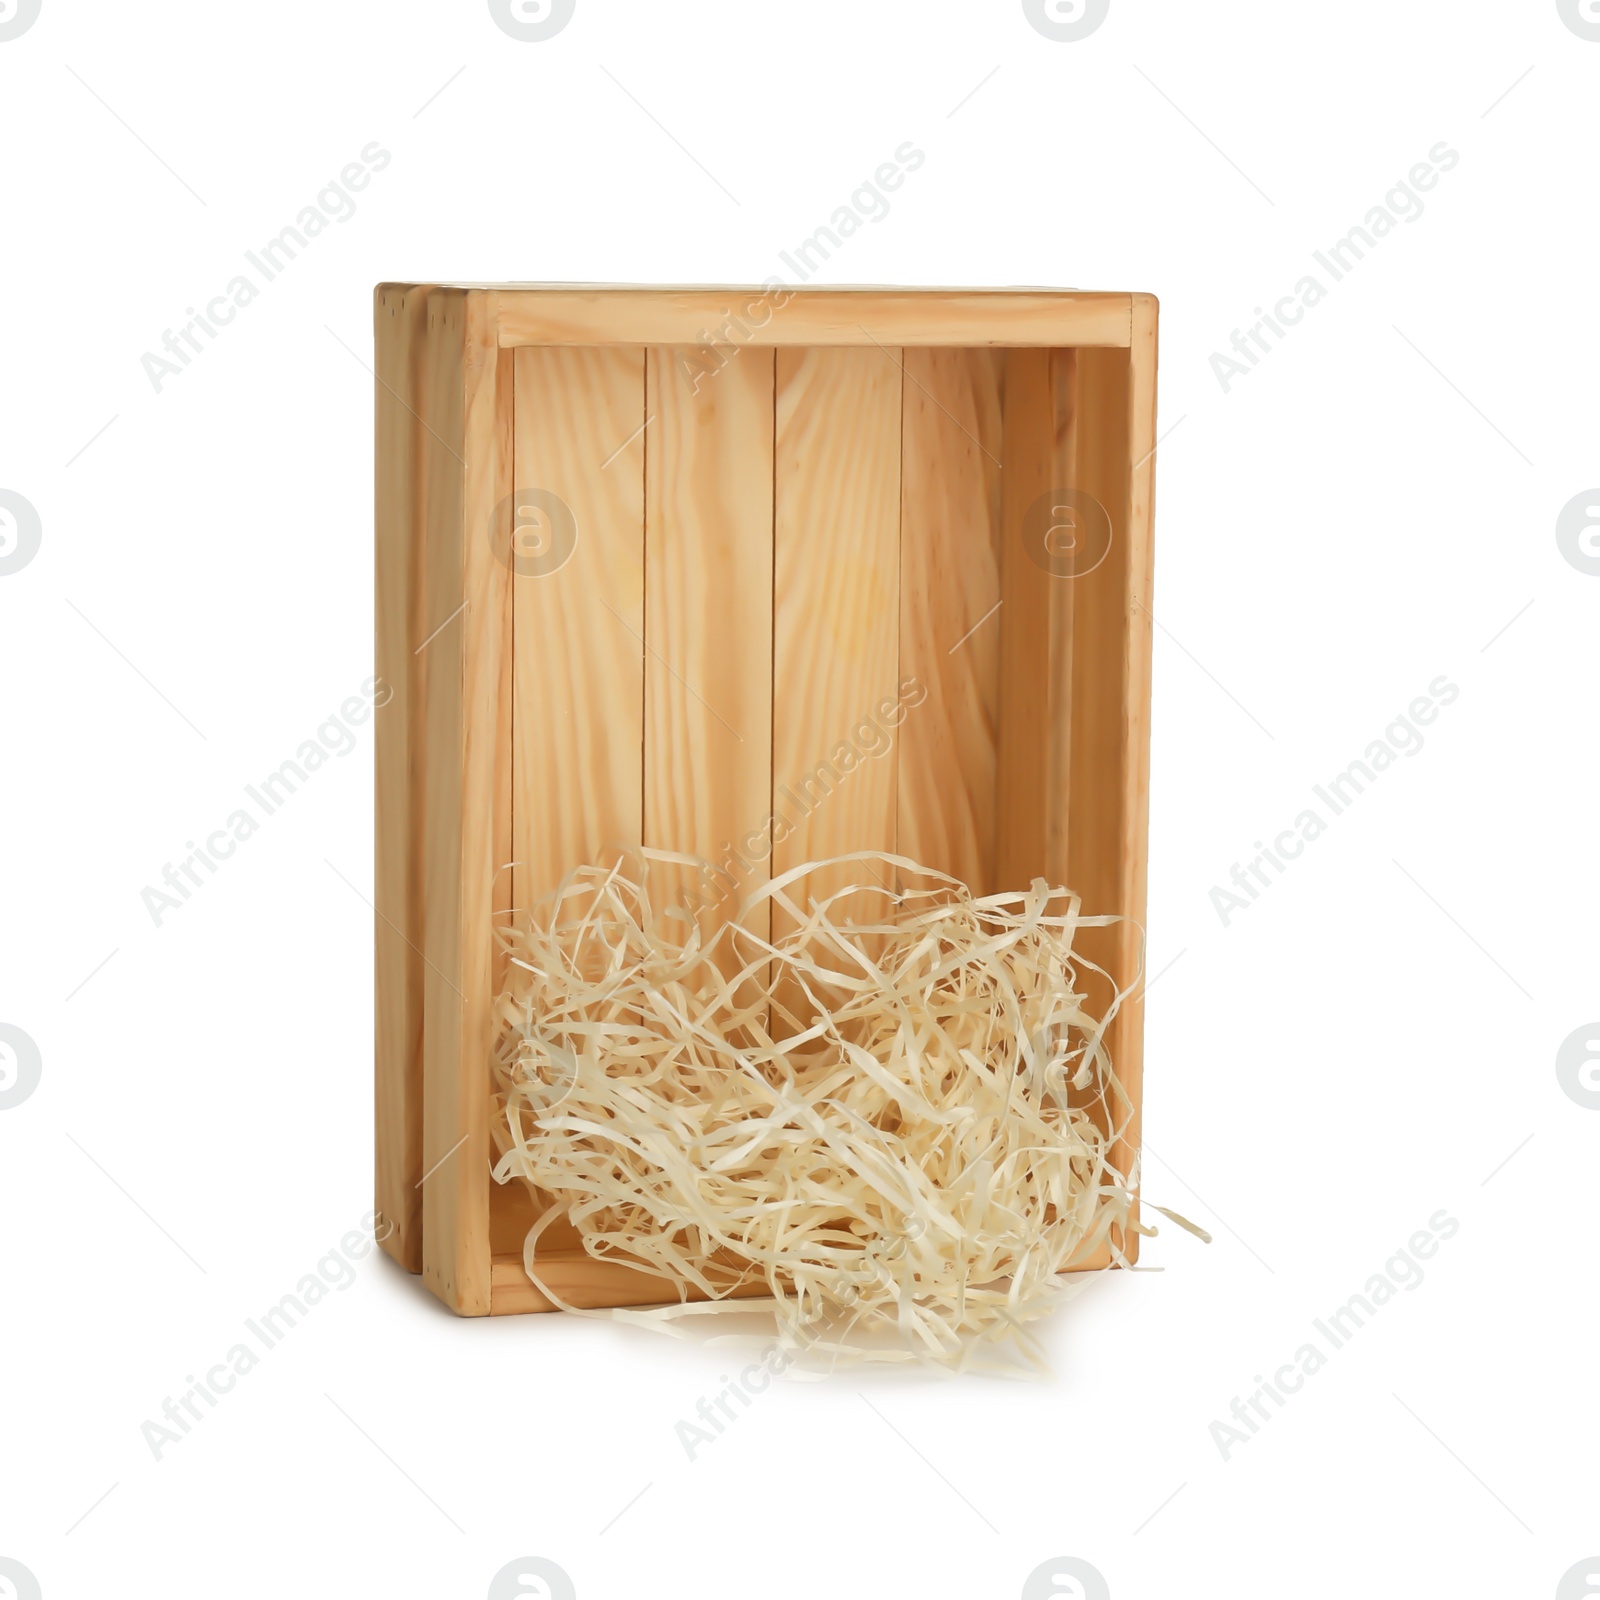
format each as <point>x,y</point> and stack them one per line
<point>898,1116</point>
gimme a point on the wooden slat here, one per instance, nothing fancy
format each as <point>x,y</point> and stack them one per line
<point>578,632</point>
<point>836,704</point>
<point>1063,601</point>
<point>504,770</point>
<point>950,586</point>
<point>579,720</point>
<point>1100,682</point>
<point>708,613</point>
<point>404,456</point>
<point>1108,843</point>
<point>469,750</point>
<point>1133,846</point>
<point>580,1280</point>
<point>1035,622</point>
<point>785,316</point>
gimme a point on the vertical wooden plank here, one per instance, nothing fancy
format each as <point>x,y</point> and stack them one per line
<point>1107,848</point>
<point>708,617</point>
<point>836,610</point>
<point>1063,600</point>
<point>402,453</point>
<point>1099,641</point>
<point>438,651</point>
<point>1036,586</point>
<point>949,595</point>
<point>579,610</point>
<point>1100,687</point>
<point>1024,709</point>
<point>1127,1042</point>
<point>578,631</point>
<point>469,749</point>
<point>504,776</point>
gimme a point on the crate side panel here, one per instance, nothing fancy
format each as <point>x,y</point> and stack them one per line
<point>441,651</point>
<point>402,451</point>
<point>1128,1033</point>
<point>949,600</point>
<point>469,752</point>
<point>836,616</point>
<point>1108,845</point>
<point>708,618</point>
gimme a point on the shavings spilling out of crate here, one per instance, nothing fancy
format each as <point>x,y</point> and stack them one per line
<point>898,1116</point>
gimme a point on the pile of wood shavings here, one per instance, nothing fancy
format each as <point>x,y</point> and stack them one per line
<point>898,1115</point>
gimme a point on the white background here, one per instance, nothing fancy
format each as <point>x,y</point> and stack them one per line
<point>1372,1041</point>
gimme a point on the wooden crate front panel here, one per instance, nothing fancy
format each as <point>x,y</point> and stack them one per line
<point>785,560</point>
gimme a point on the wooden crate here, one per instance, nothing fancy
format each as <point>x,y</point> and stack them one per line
<point>653,563</point>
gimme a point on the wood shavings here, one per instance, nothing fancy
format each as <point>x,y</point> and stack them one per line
<point>899,1116</point>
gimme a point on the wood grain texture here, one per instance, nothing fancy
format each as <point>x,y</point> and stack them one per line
<point>1064,400</point>
<point>1108,845</point>
<point>577,629</point>
<point>781,315</point>
<point>949,589</point>
<point>502,836</point>
<point>1099,666</point>
<point>405,465</point>
<point>580,1280</point>
<point>467,786</point>
<point>1127,1036</point>
<point>836,612</point>
<point>1035,622</point>
<point>708,617</point>
<point>578,726</point>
